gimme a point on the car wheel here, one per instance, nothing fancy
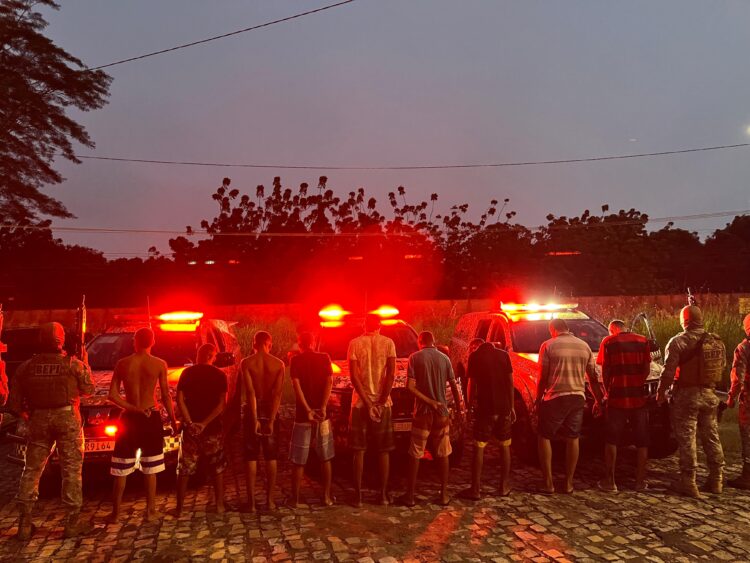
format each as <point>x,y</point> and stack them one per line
<point>524,438</point>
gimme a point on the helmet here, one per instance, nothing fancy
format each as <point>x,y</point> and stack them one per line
<point>52,335</point>
<point>691,317</point>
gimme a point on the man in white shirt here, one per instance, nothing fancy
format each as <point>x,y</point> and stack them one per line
<point>372,365</point>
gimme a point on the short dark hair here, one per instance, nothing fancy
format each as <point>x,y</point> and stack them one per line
<point>205,352</point>
<point>306,340</point>
<point>559,325</point>
<point>260,338</point>
<point>427,338</point>
<point>143,338</point>
<point>618,323</point>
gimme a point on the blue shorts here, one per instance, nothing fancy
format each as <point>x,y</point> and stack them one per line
<point>618,422</point>
<point>302,436</point>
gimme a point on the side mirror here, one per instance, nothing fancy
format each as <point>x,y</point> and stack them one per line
<point>224,360</point>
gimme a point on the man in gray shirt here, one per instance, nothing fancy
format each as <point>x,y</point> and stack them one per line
<point>428,372</point>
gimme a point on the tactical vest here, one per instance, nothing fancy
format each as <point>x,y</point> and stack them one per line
<point>49,382</point>
<point>703,366</point>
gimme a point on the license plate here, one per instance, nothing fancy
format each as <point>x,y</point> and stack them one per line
<point>402,426</point>
<point>99,446</point>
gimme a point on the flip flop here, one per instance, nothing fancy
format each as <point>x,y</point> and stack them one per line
<point>543,491</point>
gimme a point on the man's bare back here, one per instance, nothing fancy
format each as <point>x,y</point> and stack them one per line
<point>139,374</point>
<point>265,371</point>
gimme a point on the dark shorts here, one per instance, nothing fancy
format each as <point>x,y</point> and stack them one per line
<point>365,431</point>
<point>255,444</point>
<point>487,427</point>
<point>138,432</point>
<point>208,446</point>
<point>619,420</point>
<point>561,417</point>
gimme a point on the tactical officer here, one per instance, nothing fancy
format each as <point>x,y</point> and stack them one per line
<point>695,362</point>
<point>48,388</point>
<point>741,388</point>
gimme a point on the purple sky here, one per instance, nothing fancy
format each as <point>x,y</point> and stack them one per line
<point>388,82</point>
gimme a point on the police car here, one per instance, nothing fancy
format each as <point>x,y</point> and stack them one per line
<point>337,327</point>
<point>178,335</point>
<point>520,329</point>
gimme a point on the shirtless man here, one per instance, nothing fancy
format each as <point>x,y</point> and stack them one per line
<point>140,423</point>
<point>262,376</point>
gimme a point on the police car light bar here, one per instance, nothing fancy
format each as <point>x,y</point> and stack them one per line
<point>333,313</point>
<point>385,311</point>
<point>181,316</point>
<point>535,307</point>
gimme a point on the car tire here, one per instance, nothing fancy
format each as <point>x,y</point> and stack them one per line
<point>524,437</point>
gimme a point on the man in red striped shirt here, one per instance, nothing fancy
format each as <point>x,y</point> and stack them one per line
<point>625,358</point>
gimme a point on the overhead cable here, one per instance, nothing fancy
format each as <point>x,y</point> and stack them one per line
<point>413,166</point>
<point>223,36</point>
<point>203,232</point>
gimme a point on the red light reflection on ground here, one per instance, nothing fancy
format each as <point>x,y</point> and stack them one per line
<point>436,536</point>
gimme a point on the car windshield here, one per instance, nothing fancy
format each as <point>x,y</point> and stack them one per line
<point>335,341</point>
<point>529,335</point>
<point>175,348</point>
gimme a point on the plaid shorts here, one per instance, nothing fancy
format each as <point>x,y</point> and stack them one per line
<point>364,431</point>
<point>209,446</point>
<point>302,436</point>
<point>430,425</point>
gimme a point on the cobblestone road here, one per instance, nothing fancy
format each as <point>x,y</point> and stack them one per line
<point>587,525</point>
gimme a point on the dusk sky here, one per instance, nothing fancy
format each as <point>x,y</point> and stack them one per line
<point>418,82</point>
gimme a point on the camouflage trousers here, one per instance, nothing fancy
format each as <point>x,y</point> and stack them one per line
<point>694,412</point>
<point>744,421</point>
<point>48,428</point>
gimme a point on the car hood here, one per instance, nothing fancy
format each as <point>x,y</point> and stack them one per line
<point>342,378</point>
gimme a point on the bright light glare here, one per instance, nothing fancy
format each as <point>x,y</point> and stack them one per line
<point>331,324</point>
<point>535,307</point>
<point>333,313</point>
<point>110,430</point>
<point>335,368</point>
<point>181,316</point>
<point>178,327</point>
<point>385,311</point>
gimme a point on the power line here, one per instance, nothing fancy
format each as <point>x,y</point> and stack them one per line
<point>224,35</point>
<point>414,167</point>
<point>202,232</point>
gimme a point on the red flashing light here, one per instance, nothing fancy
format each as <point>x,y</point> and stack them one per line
<point>333,313</point>
<point>331,324</point>
<point>389,322</point>
<point>178,327</point>
<point>535,307</point>
<point>110,430</point>
<point>178,316</point>
<point>385,311</point>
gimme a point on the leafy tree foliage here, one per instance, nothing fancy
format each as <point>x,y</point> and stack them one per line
<point>39,82</point>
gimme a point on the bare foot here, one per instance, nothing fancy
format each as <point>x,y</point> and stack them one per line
<point>386,499</point>
<point>329,500</point>
<point>292,503</point>
<point>444,499</point>
<point>220,509</point>
<point>153,516</point>
<point>505,490</point>
<point>175,512</point>
<point>113,518</point>
<point>271,504</point>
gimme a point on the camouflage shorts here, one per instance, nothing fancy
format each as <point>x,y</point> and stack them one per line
<point>208,446</point>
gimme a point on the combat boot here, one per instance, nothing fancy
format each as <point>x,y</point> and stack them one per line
<point>688,487</point>
<point>25,526</point>
<point>714,483</point>
<point>75,527</point>
<point>743,480</point>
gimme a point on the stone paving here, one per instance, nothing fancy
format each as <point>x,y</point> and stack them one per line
<point>586,526</point>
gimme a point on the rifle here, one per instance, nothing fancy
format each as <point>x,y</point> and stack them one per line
<point>80,330</point>
<point>691,298</point>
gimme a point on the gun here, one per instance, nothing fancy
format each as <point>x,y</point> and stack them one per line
<point>80,330</point>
